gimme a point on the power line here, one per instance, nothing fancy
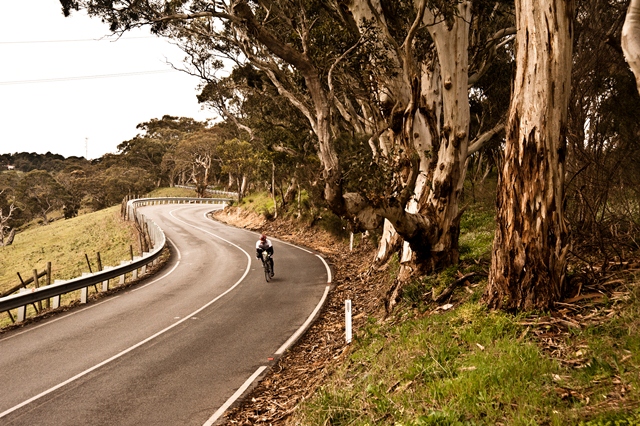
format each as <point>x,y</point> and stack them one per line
<point>85,77</point>
<point>73,41</point>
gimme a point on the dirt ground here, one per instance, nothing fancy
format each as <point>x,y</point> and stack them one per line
<point>301,369</point>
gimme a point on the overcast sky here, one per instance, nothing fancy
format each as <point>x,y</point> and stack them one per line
<point>67,89</point>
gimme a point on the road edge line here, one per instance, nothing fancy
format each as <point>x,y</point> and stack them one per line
<point>234,397</point>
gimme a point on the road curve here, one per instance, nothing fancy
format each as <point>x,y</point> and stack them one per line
<point>176,349</point>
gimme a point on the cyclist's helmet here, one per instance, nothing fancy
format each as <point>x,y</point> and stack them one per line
<point>263,237</point>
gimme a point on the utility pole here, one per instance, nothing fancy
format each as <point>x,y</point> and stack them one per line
<point>86,148</point>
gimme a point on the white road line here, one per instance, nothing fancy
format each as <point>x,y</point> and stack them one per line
<point>282,348</point>
<point>234,397</point>
<point>247,383</point>
<point>326,266</point>
<point>293,245</point>
<point>137,345</point>
<point>304,326</point>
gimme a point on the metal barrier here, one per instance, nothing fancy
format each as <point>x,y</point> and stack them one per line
<point>21,300</point>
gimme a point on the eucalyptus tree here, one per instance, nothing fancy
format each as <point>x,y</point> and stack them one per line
<point>72,179</point>
<point>7,231</point>
<point>158,138</point>
<point>396,72</point>
<point>107,186</point>
<point>199,156</point>
<point>531,242</point>
<point>8,209</point>
<point>11,215</point>
<point>248,100</point>
<point>240,161</point>
<point>631,38</point>
<point>146,153</point>
<point>38,194</point>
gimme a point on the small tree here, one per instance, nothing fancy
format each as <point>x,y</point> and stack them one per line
<point>6,231</point>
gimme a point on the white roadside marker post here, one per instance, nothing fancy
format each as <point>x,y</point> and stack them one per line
<point>347,320</point>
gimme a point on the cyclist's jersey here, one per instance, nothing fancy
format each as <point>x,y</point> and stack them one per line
<point>264,245</point>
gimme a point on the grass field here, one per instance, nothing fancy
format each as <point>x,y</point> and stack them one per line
<point>64,243</point>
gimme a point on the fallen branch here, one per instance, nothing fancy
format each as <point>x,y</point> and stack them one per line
<point>449,290</point>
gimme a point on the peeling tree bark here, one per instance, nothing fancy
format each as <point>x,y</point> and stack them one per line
<point>530,246</point>
<point>452,45</point>
<point>432,98</point>
<point>631,39</point>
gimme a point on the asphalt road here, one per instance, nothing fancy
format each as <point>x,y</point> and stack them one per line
<point>176,349</point>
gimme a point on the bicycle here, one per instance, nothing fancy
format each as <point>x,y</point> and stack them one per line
<point>266,264</point>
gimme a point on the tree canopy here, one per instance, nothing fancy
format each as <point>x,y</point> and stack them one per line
<point>377,109</point>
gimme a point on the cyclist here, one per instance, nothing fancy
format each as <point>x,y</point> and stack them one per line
<point>264,244</point>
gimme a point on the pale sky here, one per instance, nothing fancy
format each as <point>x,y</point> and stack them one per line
<point>62,90</point>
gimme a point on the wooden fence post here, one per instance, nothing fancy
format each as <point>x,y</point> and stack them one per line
<point>25,287</point>
<point>88,263</point>
<point>37,285</point>
<point>95,287</point>
<point>99,261</point>
<point>48,281</point>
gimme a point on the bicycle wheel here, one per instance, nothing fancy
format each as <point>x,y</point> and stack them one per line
<point>267,271</point>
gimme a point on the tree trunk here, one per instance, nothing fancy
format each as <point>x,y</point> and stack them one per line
<point>273,189</point>
<point>243,186</point>
<point>631,39</point>
<point>452,45</point>
<point>432,97</point>
<point>290,194</point>
<point>530,246</point>
<point>10,238</point>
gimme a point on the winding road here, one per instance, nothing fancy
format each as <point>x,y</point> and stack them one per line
<point>176,349</point>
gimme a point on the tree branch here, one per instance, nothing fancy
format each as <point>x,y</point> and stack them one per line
<point>476,144</point>
<point>191,16</point>
<point>408,41</point>
<point>498,40</point>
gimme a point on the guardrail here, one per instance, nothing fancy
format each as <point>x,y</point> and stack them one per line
<point>158,240</point>
<point>133,204</point>
<point>210,190</point>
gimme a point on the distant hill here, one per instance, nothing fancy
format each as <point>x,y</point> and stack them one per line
<point>27,161</point>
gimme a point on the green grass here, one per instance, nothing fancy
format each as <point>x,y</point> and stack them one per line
<point>477,227</point>
<point>469,366</point>
<point>456,368</point>
<point>258,202</point>
<point>171,192</point>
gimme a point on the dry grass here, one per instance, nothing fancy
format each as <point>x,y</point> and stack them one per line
<point>64,243</point>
